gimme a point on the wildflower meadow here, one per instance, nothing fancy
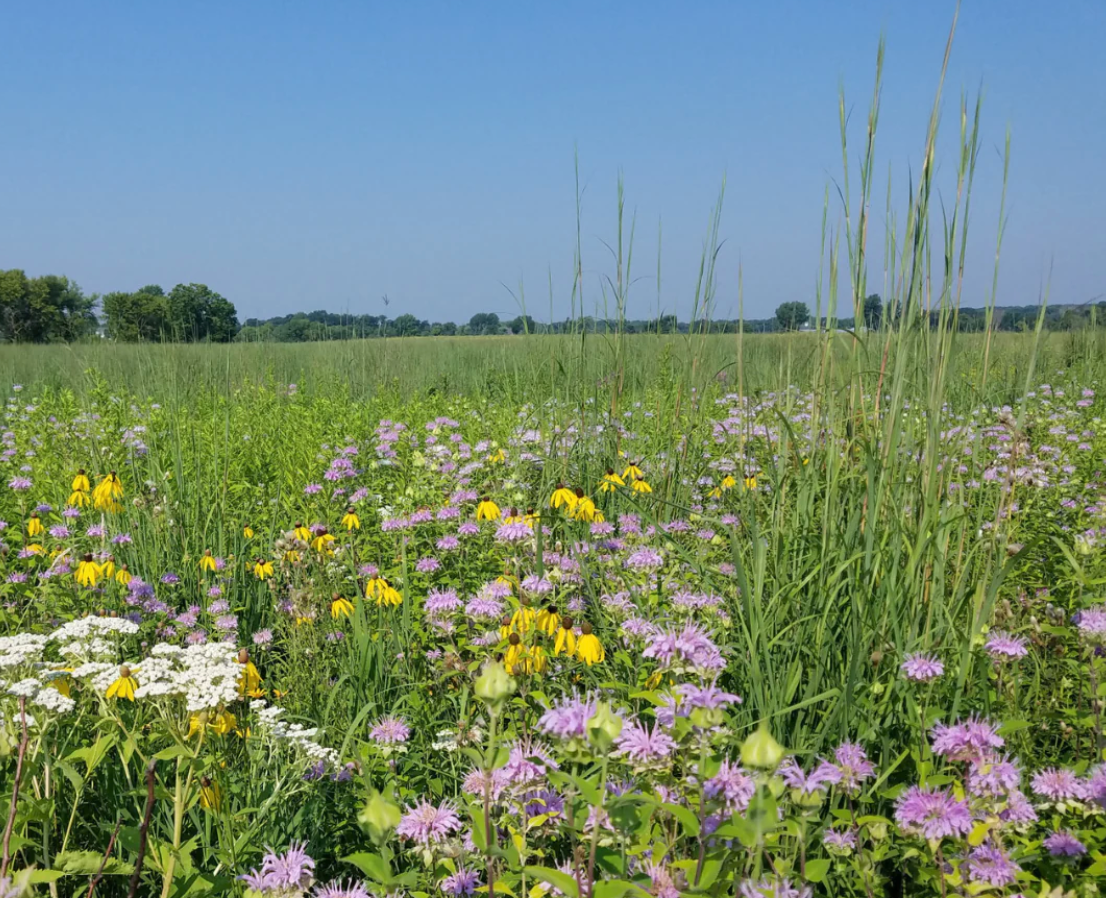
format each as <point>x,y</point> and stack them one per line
<point>576,616</point>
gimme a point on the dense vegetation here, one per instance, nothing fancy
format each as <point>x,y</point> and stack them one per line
<point>597,615</point>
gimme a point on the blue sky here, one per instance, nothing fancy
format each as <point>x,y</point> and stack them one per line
<point>319,155</point>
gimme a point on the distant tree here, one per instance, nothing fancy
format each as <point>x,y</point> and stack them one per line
<point>197,312</point>
<point>873,311</point>
<point>792,315</point>
<point>484,323</point>
<point>136,317</point>
<point>449,329</point>
<point>523,324</point>
<point>152,290</point>
<point>406,326</point>
<point>43,309</point>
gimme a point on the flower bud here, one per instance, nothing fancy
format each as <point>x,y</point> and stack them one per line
<point>494,685</point>
<point>604,727</point>
<point>379,817</point>
<point>761,750</point>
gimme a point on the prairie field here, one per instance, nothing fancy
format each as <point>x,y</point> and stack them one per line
<point>582,615</point>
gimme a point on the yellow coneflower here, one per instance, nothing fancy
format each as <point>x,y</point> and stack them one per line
<point>514,652</point>
<point>588,648</point>
<point>63,683</point>
<point>80,482</point>
<point>207,561</point>
<point>211,796</point>
<point>654,680</point>
<point>124,686</point>
<point>562,495</point>
<point>512,516</point>
<point>341,607</point>
<point>532,517</point>
<point>247,532</point>
<point>385,594</point>
<point>522,621</point>
<point>301,533</point>
<point>610,482</point>
<point>222,723</point>
<point>263,568</point>
<point>350,520</point>
<point>322,543</point>
<point>565,643</point>
<point>751,482</point>
<point>88,571</point>
<point>34,526</point>
<point>497,457</point>
<point>548,620</point>
<point>487,510</point>
<point>291,556</point>
<point>107,568</point>
<point>35,548</point>
<point>728,482</point>
<point>521,659</point>
<point>123,576</point>
<point>640,486</point>
<point>585,508</point>
<point>79,498</point>
<point>108,492</point>
<point>632,471</point>
<point>249,681</point>
<point>505,626</point>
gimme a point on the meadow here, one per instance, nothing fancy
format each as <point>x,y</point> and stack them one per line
<point>580,616</point>
<point>591,616</point>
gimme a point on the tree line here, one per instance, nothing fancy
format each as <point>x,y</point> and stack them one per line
<point>54,309</point>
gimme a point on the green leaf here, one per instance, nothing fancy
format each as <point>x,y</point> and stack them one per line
<point>372,865</point>
<point>688,820</point>
<point>86,863</point>
<point>38,876</point>
<point>614,888</point>
<point>562,881</point>
<point>173,751</point>
<point>1012,726</point>
<point>817,869</point>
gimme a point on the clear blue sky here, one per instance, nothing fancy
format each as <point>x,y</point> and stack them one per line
<point>298,155</point>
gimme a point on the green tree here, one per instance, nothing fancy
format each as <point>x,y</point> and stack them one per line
<point>523,324</point>
<point>137,317</point>
<point>44,309</point>
<point>873,311</point>
<point>792,315</point>
<point>406,325</point>
<point>196,312</point>
<point>484,323</point>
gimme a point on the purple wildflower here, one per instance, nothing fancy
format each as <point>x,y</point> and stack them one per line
<point>463,882</point>
<point>1063,844</point>
<point>970,740</point>
<point>644,746</point>
<point>990,865</point>
<point>932,813</point>
<point>922,668</point>
<point>1002,646</point>
<point>390,731</point>
<point>426,824</point>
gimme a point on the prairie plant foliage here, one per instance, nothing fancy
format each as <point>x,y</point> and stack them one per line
<point>594,617</point>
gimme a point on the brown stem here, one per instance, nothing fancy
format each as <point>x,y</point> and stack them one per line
<point>144,829</point>
<point>15,790</point>
<point>103,863</point>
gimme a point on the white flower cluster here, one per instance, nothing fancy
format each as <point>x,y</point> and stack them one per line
<point>22,648</point>
<point>295,735</point>
<point>205,676</point>
<point>100,673</point>
<point>90,637</point>
<point>42,695</point>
